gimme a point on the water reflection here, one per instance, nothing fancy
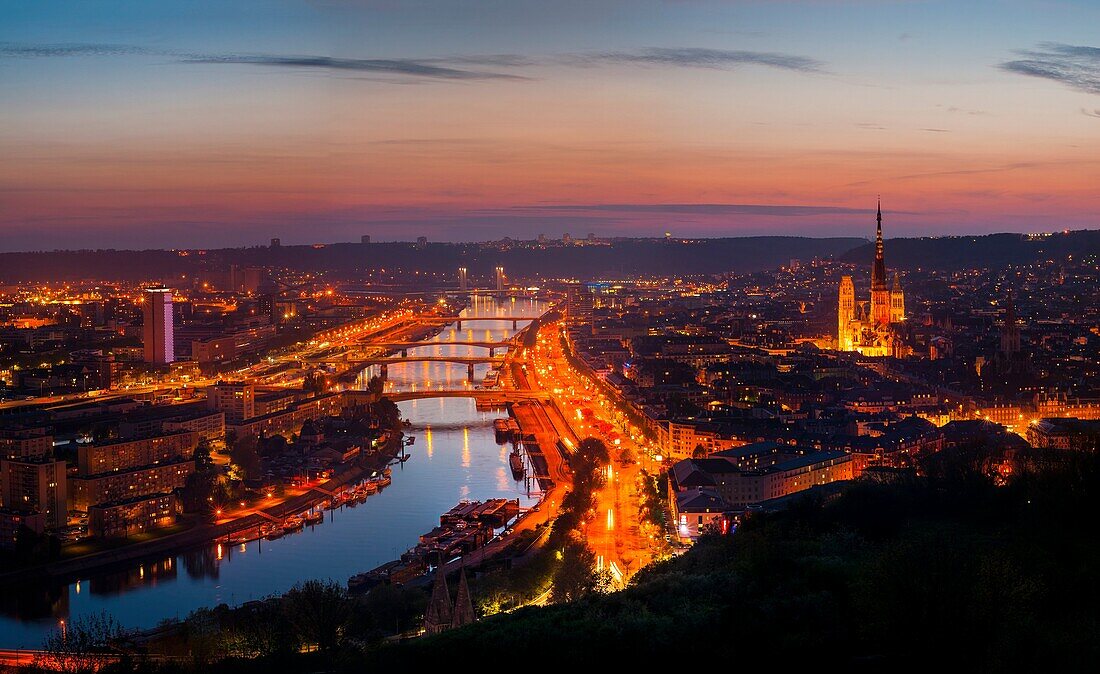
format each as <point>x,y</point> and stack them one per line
<point>35,602</point>
<point>202,562</point>
<point>146,574</point>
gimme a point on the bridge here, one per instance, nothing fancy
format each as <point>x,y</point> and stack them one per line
<point>384,363</point>
<point>503,397</point>
<point>459,320</point>
<point>405,346</point>
<point>448,290</point>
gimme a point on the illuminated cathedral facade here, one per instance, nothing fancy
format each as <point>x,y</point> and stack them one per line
<point>869,328</point>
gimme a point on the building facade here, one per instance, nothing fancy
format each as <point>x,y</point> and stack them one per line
<point>36,486</point>
<point>128,484</point>
<point>132,516</point>
<point>126,454</point>
<point>158,333</point>
<point>237,400</point>
<point>25,443</point>
<point>11,521</point>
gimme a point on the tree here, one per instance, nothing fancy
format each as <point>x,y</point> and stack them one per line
<point>257,633</point>
<point>588,463</point>
<point>388,415</point>
<point>202,628</point>
<point>576,576</point>
<point>79,646</point>
<point>376,385</point>
<point>390,609</point>
<point>202,489</point>
<point>317,612</point>
<point>202,455</point>
<point>245,453</point>
<point>315,382</point>
<point>626,455</point>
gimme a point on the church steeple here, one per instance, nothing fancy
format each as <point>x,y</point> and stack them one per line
<point>1010,331</point>
<point>440,612</point>
<point>878,271</point>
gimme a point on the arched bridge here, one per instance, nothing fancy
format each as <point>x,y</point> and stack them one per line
<point>477,394</point>
<point>405,346</point>
<point>384,363</point>
<point>459,320</point>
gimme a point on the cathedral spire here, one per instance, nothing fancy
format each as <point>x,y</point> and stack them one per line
<point>878,271</point>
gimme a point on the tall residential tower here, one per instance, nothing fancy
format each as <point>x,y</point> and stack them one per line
<point>158,333</point>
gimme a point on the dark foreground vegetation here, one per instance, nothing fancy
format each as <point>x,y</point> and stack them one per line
<point>946,570</point>
<point>900,573</point>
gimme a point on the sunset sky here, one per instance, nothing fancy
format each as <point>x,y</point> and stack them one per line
<point>199,124</point>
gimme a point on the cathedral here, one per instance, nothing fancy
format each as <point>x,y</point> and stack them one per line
<point>868,329</point>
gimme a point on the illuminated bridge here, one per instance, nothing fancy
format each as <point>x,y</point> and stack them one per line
<point>384,363</point>
<point>405,346</point>
<point>459,320</point>
<point>502,397</point>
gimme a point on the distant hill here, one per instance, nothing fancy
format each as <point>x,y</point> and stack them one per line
<point>625,257</point>
<point>622,258</point>
<point>990,251</point>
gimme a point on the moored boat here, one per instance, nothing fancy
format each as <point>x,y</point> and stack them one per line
<point>515,461</point>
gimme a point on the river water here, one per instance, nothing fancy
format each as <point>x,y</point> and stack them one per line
<point>455,457</point>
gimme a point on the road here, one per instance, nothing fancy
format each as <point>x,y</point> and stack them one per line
<point>579,410</point>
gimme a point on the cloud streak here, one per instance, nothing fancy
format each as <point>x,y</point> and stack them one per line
<point>715,59</point>
<point>400,67</point>
<point>12,50</point>
<point>1072,65</point>
<point>455,67</point>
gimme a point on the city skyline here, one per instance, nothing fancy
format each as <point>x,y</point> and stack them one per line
<point>205,125</point>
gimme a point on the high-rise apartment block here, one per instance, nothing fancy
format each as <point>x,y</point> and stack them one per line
<point>158,333</point>
<point>36,486</point>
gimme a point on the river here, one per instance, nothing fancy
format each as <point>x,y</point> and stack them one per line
<point>455,456</point>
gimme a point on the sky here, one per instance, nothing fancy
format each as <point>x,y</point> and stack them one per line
<point>193,123</point>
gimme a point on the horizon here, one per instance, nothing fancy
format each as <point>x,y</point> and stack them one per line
<point>613,239</point>
<point>233,123</point>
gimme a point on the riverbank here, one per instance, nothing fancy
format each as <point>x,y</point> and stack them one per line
<point>68,570</point>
